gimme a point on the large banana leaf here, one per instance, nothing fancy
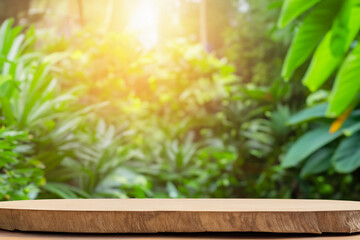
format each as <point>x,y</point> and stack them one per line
<point>318,162</point>
<point>347,156</point>
<point>308,144</point>
<point>347,84</point>
<point>340,28</point>
<point>311,31</point>
<point>324,61</point>
<point>317,111</point>
<point>293,8</point>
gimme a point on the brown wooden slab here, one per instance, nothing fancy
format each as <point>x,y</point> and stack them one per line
<point>5,235</point>
<point>181,215</point>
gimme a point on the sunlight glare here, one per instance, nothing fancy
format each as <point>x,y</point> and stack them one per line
<point>144,23</point>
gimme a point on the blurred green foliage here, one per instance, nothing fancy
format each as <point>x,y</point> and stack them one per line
<point>20,175</point>
<point>196,128</point>
<point>328,31</point>
<point>97,115</point>
<point>111,120</point>
<point>330,28</point>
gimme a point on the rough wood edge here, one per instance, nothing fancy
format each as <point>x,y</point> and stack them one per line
<point>167,221</point>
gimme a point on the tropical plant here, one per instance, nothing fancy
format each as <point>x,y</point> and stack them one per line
<point>28,94</point>
<point>320,147</point>
<point>32,101</point>
<point>329,28</point>
<point>94,164</point>
<point>20,174</point>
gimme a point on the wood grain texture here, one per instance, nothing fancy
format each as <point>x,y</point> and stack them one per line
<point>181,215</point>
<point>5,235</point>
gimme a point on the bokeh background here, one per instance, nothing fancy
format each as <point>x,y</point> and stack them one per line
<point>179,98</point>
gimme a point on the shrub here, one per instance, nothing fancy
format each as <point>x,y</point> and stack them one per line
<point>20,174</point>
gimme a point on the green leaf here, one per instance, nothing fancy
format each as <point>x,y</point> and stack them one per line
<point>15,47</point>
<point>172,190</point>
<point>7,111</point>
<point>60,190</point>
<point>317,111</point>
<point>4,32</point>
<point>308,144</point>
<point>347,84</point>
<point>313,28</point>
<point>294,8</point>
<point>4,80</point>
<point>324,62</point>
<point>340,29</point>
<point>63,190</point>
<point>317,97</point>
<point>347,156</point>
<point>317,163</point>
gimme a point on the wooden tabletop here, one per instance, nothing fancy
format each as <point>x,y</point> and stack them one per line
<point>184,205</point>
<point>5,235</point>
<point>181,215</point>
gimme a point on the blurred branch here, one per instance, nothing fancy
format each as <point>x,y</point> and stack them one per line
<point>81,14</point>
<point>109,14</point>
<point>203,24</point>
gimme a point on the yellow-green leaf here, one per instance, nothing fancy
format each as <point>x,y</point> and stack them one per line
<point>347,84</point>
<point>313,28</point>
<point>324,62</point>
<point>340,28</point>
<point>293,8</point>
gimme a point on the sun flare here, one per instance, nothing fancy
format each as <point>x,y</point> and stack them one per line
<point>144,23</point>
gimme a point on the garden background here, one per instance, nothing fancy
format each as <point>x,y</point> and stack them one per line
<point>179,98</point>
